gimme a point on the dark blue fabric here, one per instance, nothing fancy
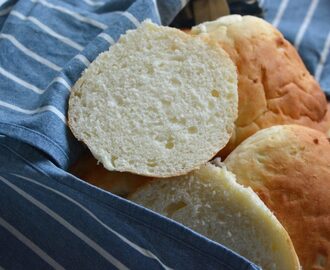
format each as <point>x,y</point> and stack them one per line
<point>80,226</point>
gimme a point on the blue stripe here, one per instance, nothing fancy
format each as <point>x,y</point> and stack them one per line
<point>313,40</point>
<point>9,258</point>
<point>291,21</point>
<point>32,201</point>
<point>32,69</point>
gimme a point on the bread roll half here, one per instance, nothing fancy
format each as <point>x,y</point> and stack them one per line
<point>211,202</point>
<point>274,85</point>
<point>158,103</point>
<point>289,168</point>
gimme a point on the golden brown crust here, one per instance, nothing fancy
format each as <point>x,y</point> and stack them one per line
<point>327,121</point>
<point>289,168</point>
<point>120,183</point>
<point>273,83</point>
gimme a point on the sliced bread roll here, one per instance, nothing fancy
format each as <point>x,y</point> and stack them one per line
<point>211,202</point>
<point>289,168</point>
<point>159,103</point>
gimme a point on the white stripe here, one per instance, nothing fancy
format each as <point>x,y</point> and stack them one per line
<point>305,23</point>
<point>37,250</point>
<point>49,108</point>
<point>143,251</point>
<point>49,31</point>
<point>261,3</point>
<point>130,17</point>
<point>61,81</point>
<point>156,9</point>
<point>280,12</point>
<point>20,81</point>
<point>83,59</point>
<point>66,224</point>
<point>30,53</point>
<point>184,3</point>
<point>73,14</point>
<point>107,37</point>
<point>5,11</point>
<point>323,58</point>
<point>92,3</point>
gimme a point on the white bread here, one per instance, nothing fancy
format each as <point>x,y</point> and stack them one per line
<point>289,168</point>
<point>158,103</point>
<point>211,202</point>
<point>274,86</point>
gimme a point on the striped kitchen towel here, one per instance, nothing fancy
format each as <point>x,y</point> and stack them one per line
<point>49,219</point>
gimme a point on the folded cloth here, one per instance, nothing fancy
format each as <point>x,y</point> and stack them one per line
<point>49,218</point>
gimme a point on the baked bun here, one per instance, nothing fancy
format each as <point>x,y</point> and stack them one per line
<point>289,168</point>
<point>211,202</point>
<point>158,103</point>
<point>119,183</point>
<point>274,85</point>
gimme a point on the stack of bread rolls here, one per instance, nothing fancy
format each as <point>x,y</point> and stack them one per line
<point>161,103</point>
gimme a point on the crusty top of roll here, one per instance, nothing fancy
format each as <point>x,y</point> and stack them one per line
<point>273,83</point>
<point>289,168</point>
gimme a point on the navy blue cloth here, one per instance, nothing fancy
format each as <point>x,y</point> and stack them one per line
<point>49,218</point>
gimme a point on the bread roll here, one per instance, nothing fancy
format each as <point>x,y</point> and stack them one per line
<point>119,183</point>
<point>273,83</point>
<point>211,202</point>
<point>158,103</point>
<point>289,168</point>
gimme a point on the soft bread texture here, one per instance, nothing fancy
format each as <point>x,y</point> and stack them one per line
<point>211,202</point>
<point>289,168</point>
<point>119,183</point>
<point>274,85</point>
<point>159,103</point>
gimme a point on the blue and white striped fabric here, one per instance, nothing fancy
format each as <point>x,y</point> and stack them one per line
<point>306,24</point>
<point>49,218</point>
